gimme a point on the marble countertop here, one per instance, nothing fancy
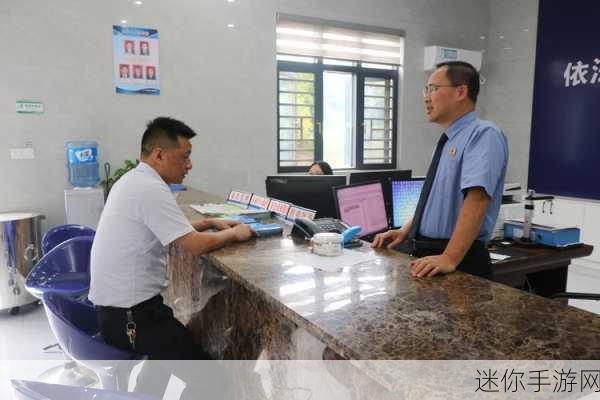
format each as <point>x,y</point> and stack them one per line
<point>377,311</point>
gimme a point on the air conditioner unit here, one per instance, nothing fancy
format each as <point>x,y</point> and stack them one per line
<point>437,54</point>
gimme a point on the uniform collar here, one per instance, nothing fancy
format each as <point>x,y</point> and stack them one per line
<point>147,169</point>
<point>460,123</point>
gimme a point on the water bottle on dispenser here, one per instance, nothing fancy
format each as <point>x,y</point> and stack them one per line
<point>82,163</point>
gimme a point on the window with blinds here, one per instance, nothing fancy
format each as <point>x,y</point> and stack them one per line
<point>337,95</point>
<point>318,40</point>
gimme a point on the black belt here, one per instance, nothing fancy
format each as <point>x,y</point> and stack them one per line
<point>423,243</point>
<point>427,244</point>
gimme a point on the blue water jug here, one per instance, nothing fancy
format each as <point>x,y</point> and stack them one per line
<point>82,163</point>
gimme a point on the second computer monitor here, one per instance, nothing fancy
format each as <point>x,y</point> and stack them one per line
<point>386,178</point>
<point>405,196</point>
<point>308,191</point>
<point>362,204</point>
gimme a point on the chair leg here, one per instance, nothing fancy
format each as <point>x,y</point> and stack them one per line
<point>70,373</point>
<point>116,377</point>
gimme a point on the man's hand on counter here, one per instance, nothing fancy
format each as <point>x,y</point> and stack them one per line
<point>432,265</point>
<point>220,224</point>
<point>392,238</point>
<point>213,223</point>
<point>242,232</point>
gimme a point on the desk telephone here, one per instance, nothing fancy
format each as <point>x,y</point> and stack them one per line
<point>305,229</point>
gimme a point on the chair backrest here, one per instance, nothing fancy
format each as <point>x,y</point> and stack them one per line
<point>60,233</point>
<point>74,324</point>
<point>72,256</point>
<point>29,390</point>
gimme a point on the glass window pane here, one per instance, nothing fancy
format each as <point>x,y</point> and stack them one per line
<point>338,119</point>
<point>378,113</point>
<point>289,122</point>
<point>378,122</point>
<point>375,102</point>
<point>308,128</point>
<point>298,110</point>
<point>374,90</point>
<point>296,118</point>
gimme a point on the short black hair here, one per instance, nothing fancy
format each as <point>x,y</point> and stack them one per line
<point>462,73</point>
<point>325,167</point>
<point>164,132</point>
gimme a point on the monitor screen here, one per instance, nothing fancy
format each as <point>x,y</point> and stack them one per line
<point>308,191</point>
<point>362,204</point>
<point>405,196</point>
<point>386,178</point>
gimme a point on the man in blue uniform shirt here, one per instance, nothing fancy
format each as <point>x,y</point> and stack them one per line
<point>461,195</point>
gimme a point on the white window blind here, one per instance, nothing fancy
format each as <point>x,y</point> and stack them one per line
<point>320,40</point>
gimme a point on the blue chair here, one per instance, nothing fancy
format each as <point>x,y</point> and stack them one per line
<point>76,329</point>
<point>28,390</point>
<point>60,233</point>
<point>65,269</point>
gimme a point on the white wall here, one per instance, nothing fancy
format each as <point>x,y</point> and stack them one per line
<point>220,81</point>
<point>509,65</point>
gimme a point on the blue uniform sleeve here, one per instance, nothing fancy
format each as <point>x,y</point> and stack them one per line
<point>484,160</point>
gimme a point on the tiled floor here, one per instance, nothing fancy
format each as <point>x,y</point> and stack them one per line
<point>23,336</point>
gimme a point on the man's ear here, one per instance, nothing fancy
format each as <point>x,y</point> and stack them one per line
<point>156,155</point>
<point>159,154</point>
<point>462,92</point>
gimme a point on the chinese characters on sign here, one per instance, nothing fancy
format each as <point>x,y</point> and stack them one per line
<point>259,202</point>
<point>239,197</point>
<point>299,212</point>
<point>280,208</point>
<point>557,381</point>
<point>579,73</point>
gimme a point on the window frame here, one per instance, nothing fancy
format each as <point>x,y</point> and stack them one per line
<point>360,73</point>
<point>360,117</point>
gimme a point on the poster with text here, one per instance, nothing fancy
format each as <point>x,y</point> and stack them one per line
<point>135,53</point>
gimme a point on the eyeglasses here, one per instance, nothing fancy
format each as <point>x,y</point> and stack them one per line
<point>432,88</point>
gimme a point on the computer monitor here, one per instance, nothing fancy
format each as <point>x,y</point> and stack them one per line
<point>308,191</point>
<point>405,196</point>
<point>386,178</point>
<point>362,204</point>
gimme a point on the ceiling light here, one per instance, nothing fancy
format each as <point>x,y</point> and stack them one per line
<point>231,25</point>
<point>481,37</point>
<point>138,2</point>
<point>231,1</point>
<point>123,21</point>
<point>501,37</point>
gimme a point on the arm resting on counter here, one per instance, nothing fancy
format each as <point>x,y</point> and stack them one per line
<point>465,232</point>
<point>198,243</point>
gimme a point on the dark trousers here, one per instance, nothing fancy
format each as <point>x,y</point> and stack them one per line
<point>158,334</point>
<point>166,342</point>
<point>476,262</point>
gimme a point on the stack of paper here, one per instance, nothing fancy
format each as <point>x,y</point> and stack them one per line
<point>348,258</point>
<point>227,209</point>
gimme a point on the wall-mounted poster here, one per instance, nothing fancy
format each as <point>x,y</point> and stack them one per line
<point>135,53</point>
